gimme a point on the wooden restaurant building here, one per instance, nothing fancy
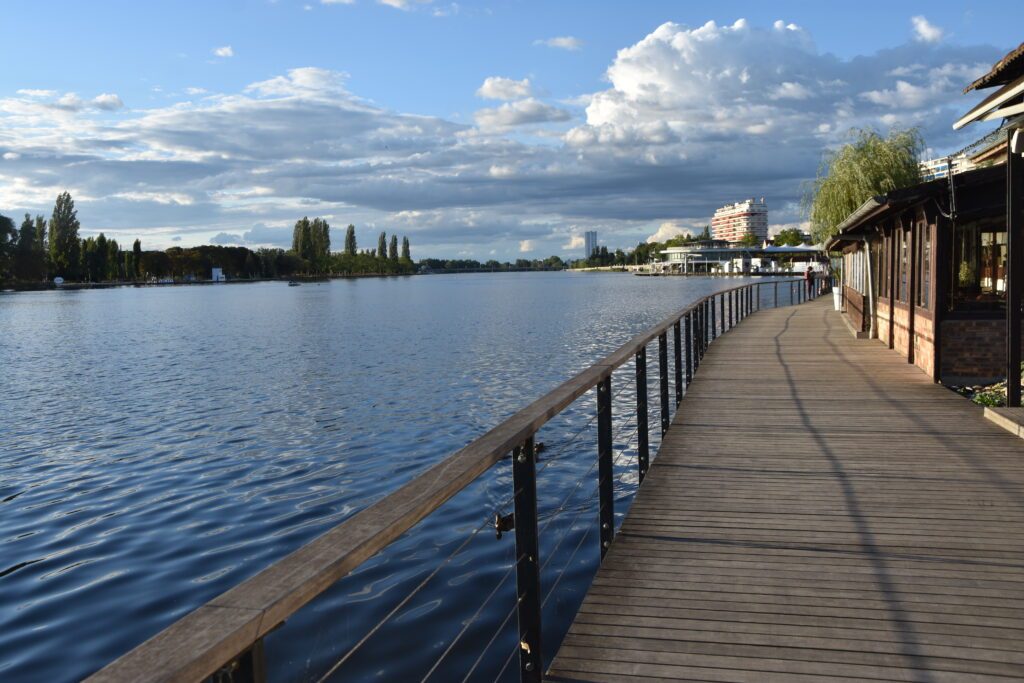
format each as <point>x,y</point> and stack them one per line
<point>927,269</point>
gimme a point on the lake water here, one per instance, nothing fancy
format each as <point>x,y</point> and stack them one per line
<point>159,445</point>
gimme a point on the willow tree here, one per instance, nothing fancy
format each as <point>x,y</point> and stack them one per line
<point>869,165</point>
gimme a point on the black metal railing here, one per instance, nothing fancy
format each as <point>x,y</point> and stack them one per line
<point>223,639</point>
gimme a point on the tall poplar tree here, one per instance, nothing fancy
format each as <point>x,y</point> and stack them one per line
<point>406,256</point>
<point>350,240</point>
<point>393,249</point>
<point>382,245</point>
<point>136,258</point>
<point>65,247</point>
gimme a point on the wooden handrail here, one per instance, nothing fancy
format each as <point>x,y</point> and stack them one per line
<point>198,644</point>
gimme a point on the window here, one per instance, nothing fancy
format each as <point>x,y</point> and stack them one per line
<point>979,265</point>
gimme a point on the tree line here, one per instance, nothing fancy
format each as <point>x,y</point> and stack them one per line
<point>42,249</point>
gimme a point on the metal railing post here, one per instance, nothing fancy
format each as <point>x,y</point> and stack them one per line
<point>714,326</point>
<point>721,310</point>
<point>248,667</point>
<point>663,380</point>
<point>776,294</point>
<point>524,483</point>
<point>643,449</point>
<point>689,347</point>
<point>678,350</point>
<point>605,477</point>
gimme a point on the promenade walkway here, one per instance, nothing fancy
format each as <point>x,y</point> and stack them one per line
<point>819,510</point>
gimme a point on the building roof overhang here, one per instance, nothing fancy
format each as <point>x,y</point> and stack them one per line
<point>1002,72</point>
<point>882,206</point>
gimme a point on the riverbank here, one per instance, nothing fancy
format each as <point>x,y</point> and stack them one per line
<point>44,286</point>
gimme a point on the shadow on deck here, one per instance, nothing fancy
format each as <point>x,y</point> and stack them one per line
<point>819,509</point>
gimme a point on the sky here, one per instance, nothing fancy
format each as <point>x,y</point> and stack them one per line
<point>493,129</point>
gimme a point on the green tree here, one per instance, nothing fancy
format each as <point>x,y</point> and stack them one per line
<point>350,240</point>
<point>749,240</point>
<point>65,247</point>
<point>136,258</point>
<point>302,238</point>
<point>393,249</point>
<point>789,237</point>
<point>29,262</point>
<point>869,165</point>
<point>114,261</point>
<point>382,246</point>
<point>705,234</point>
<point>406,256</point>
<point>8,242</point>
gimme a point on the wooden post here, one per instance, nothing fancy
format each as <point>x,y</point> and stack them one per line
<point>912,288</point>
<point>893,285</point>
<point>1015,268</point>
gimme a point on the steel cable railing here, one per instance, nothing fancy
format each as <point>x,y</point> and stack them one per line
<point>205,640</point>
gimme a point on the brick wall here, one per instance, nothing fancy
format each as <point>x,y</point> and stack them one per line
<point>882,319</point>
<point>924,334</point>
<point>973,351</point>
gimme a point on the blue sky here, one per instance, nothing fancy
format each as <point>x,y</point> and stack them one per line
<point>479,129</point>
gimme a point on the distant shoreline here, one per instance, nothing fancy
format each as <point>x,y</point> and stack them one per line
<point>45,286</point>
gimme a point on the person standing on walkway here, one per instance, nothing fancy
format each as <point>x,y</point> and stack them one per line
<point>809,281</point>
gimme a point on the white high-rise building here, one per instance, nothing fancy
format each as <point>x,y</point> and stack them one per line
<point>589,243</point>
<point>732,222</point>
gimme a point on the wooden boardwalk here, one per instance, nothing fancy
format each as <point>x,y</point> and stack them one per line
<point>820,510</point>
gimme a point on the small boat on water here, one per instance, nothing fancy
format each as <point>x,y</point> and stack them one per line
<point>293,283</point>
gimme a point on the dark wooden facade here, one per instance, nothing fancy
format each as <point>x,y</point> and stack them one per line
<point>924,272</point>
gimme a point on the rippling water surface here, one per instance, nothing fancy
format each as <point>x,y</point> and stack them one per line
<point>157,446</point>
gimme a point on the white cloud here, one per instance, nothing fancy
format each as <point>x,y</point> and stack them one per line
<point>195,91</point>
<point>576,241</point>
<point>668,230</point>
<point>499,88</point>
<point>32,92</point>
<point>691,118</point>
<point>925,31</point>
<point>790,91</point>
<point>519,113</point>
<point>499,171</point>
<point>337,2</point>
<point>107,102</point>
<point>570,43</point>
<point>225,51</point>
<point>526,246</point>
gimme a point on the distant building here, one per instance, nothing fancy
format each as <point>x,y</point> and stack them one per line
<point>217,275</point>
<point>589,243</point>
<point>932,169</point>
<point>733,221</point>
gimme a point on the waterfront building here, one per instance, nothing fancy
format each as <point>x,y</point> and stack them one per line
<point>733,221</point>
<point>718,256</point>
<point>942,167</point>
<point>589,243</point>
<point>925,268</point>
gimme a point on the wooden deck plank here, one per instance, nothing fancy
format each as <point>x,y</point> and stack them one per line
<point>819,510</point>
